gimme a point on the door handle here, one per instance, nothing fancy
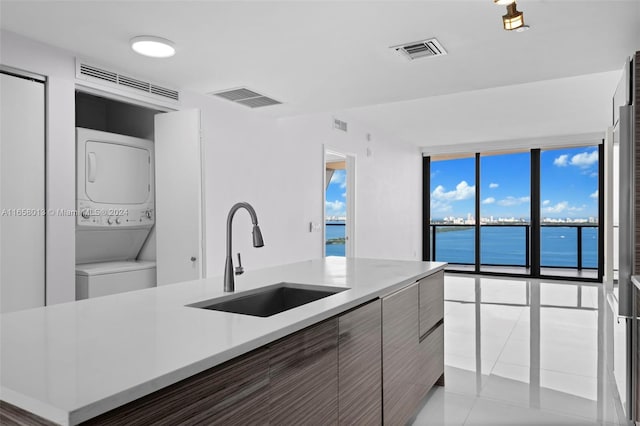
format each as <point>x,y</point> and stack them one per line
<point>193,258</point>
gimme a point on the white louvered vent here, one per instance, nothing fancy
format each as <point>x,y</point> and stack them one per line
<point>339,124</point>
<point>421,49</point>
<point>246,97</point>
<point>93,73</point>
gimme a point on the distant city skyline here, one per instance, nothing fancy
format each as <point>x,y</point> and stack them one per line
<point>568,186</point>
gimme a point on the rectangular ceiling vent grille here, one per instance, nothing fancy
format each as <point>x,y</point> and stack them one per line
<point>246,97</point>
<point>421,49</point>
<point>339,124</point>
<point>93,73</point>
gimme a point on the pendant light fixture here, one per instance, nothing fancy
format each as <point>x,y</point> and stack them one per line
<point>514,19</point>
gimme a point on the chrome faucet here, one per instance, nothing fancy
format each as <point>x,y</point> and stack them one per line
<point>229,279</point>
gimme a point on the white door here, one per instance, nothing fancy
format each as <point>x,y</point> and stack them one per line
<point>179,205</point>
<point>22,196</point>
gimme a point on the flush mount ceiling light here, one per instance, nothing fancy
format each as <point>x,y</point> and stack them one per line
<point>155,47</point>
<point>514,19</point>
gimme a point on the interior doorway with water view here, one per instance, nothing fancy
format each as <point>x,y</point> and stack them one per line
<point>338,204</point>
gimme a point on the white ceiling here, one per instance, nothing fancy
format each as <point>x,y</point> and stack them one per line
<point>328,56</point>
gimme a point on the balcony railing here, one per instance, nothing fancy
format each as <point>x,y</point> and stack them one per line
<point>509,245</point>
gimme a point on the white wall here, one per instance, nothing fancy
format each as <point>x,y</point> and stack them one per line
<point>276,165</point>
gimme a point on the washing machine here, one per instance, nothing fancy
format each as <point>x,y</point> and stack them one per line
<point>115,206</point>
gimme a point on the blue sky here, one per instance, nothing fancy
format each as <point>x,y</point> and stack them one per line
<point>569,183</point>
<point>335,201</point>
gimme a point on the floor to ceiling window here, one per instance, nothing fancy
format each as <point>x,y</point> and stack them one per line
<point>505,209</point>
<point>569,194</point>
<point>533,212</point>
<point>452,194</point>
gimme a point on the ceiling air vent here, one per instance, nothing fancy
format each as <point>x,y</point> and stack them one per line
<point>93,73</point>
<point>339,124</point>
<point>421,49</point>
<point>246,97</point>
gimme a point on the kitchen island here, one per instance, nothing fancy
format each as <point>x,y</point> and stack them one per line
<point>73,362</point>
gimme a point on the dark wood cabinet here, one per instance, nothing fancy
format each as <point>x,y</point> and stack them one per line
<point>235,393</point>
<point>303,371</point>
<point>400,334</point>
<point>431,290</point>
<point>360,365</point>
<point>431,361</point>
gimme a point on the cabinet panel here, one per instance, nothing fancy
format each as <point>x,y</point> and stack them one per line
<point>235,393</point>
<point>360,365</point>
<point>303,370</point>
<point>400,333</point>
<point>431,361</point>
<point>431,301</point>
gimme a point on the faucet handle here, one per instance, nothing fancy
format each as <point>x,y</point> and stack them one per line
<point>239,268</point>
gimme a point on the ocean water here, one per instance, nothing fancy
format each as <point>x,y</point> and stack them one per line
<point>506,246</point>
<point>334,231</point>
<point>502,246</point>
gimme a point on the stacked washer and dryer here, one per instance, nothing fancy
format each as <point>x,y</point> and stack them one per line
<point>116,213</point>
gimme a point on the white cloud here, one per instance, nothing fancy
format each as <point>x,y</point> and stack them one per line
<point>344,195</point>
<point>513,201</point>
<point>558,208</point>
<point>561,161</point>
<point>462,192</point>
<point>334,207</point>
<point>574,209</point>
<point>489,200</point>
<point>594,195</point>
<point>440,206</point>
<point>339,177</point>
<point>493,185</point>
<point>585,159</point>
<point>546,202</point>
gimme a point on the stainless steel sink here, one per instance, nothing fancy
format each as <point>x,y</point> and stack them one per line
<point>270,300</point>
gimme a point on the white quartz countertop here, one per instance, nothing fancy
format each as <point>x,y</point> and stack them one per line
<point>73,361</point>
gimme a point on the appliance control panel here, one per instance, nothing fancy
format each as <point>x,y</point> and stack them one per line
<point>114,217</point>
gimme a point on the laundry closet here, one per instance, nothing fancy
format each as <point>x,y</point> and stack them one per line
<point>138,196</point>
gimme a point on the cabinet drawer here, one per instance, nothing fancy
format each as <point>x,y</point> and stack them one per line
<point>430,360</point>
<point>431,301</point>
<point>399,355</point>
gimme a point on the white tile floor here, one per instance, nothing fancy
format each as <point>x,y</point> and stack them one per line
<point>522,352</point>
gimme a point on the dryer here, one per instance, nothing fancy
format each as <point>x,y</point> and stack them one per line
<point>115,195</point>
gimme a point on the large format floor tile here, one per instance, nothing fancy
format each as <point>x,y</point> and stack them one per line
<point>522,352</point>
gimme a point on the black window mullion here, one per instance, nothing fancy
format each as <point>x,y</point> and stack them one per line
<point>426,209</point>
<point>535,213</point>
<point>601,160</point>
<point>477,214</point>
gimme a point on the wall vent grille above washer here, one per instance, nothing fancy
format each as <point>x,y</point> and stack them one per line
<point>96,74</point>
<point>421,49</point>
<point>246,97</point>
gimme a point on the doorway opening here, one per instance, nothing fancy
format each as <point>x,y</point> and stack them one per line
<point>338,194</point>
